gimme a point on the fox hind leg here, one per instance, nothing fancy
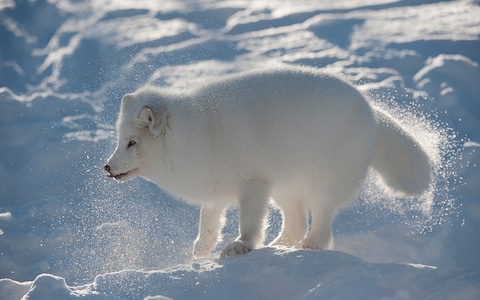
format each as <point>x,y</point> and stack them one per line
<point>320,235</point>
<point>295,224</point>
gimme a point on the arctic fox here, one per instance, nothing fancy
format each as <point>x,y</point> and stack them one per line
<point>294,135</point>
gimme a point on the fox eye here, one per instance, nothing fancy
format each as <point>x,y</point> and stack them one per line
<point>131,143</point>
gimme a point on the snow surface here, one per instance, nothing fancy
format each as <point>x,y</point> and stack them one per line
<point>66,232</point>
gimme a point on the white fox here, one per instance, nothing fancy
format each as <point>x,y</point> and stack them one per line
<point>294,135</point>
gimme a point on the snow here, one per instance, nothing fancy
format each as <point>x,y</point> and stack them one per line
<point>66,232</point>
<point>299,274</point>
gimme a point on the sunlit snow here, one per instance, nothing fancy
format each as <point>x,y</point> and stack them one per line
<point>66,232</point>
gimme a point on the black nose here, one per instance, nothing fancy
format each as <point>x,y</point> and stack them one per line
<point>107,168</point>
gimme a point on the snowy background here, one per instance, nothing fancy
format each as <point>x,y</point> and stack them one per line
<point>66,232</point>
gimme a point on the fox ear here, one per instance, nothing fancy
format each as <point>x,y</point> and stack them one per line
<point>155,121</point>
<point>127,98</point>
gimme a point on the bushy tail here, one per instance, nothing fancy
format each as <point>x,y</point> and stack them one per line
<point>402,163</point>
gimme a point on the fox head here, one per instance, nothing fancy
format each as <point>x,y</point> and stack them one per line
<point>138,126</point>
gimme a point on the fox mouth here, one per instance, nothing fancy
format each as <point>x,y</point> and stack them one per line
<point>121,175</point>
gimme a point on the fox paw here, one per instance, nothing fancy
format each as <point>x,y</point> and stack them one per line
<point>202,248</point>
<point>237,247</point>
<point>316,244</point>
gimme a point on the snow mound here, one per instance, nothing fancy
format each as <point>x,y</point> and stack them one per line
<point>268,273</point>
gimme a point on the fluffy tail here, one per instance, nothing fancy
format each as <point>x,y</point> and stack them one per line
<point>402,163</point>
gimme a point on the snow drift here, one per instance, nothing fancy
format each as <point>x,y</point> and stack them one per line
<point>67,232</point>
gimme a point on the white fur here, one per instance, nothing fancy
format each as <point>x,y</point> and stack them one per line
<point>295,135</point>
